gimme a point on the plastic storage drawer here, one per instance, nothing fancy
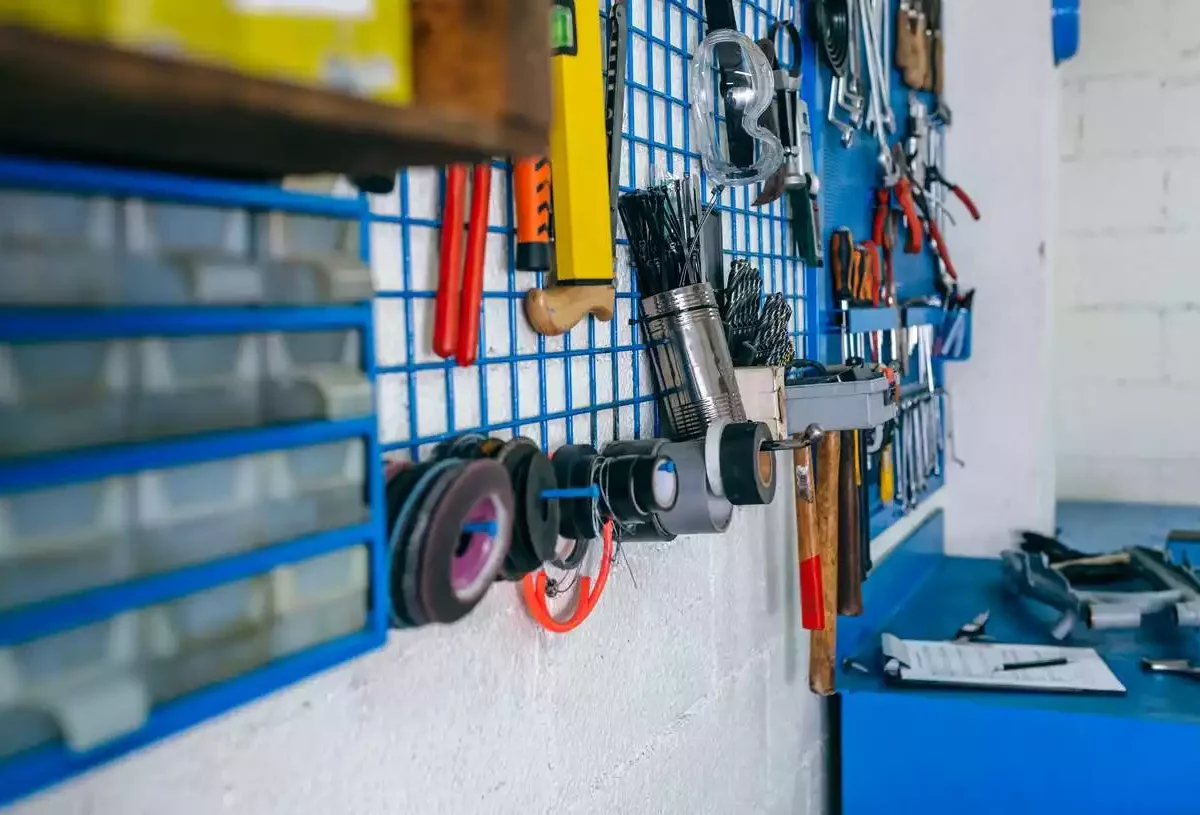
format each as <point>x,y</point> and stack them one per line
<point>179,254</point>
<point>58,541</point>
<point>57,249</point>
<point>316,374</point>
<point>88,685</point>
<point>310,489</point>
<point>193,384</point>
<point>312,260</point>
<point>81,685</point>
<point>56,396</point>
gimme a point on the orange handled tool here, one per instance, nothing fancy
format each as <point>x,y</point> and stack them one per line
<point>531,194</point>
<point>534,590</point>
<point>460,280</point>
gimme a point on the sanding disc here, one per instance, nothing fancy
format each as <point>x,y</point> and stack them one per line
<point>747,472</point>
<point>403,492</point>
<point>457,567</point>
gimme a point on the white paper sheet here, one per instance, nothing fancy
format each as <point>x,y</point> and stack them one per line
<point>978,665</point>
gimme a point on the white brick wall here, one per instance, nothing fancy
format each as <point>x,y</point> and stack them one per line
<point>1127,311</point>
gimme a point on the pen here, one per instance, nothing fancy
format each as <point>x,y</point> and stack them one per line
<point>1035,663</point>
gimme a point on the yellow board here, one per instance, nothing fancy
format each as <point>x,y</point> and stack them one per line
<point>363,47</point>
<point>578,147</point>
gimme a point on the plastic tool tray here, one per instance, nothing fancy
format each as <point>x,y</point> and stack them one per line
<point>189,515</point>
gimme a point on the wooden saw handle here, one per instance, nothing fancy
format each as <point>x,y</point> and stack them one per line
<point>557,309</point>
<point>822,656</point>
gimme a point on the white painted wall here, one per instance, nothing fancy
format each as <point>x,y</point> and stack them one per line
<point>1127,389</point>
<point>1001,84</point>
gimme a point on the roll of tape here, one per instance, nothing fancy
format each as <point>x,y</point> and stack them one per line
<point>655,483</point>
<point>634,447</point>
<point>747,472</point>
<point>463,446</point>
<point>575,466</point>
<point>617,490</point>
<point>696,511</point>
<point>652,530</point>
<point>535,520</point>
<point>712,456</point>
<point>455,568</point>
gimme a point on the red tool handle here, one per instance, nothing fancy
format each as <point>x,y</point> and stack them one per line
<point>962,196</point>
<point>939,243</point>
<point>445,309</point>
<point>472,287</point>
<point>883,200</point>
<point>911,219</point>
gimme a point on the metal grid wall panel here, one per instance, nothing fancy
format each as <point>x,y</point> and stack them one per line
<point>592,384</point>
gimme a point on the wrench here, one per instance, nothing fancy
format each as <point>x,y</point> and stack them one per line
<point>880,107</point>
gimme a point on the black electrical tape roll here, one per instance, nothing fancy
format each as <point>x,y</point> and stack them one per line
<point>574,467</point>
<point>655,484</point>
<point>535,525</point>
<point>468,445</point>
<point>650,531</point>
<point>747,472</point>
<point>633,447</point>
<point>448,570</point>
<point>404,494</point>
<point>618,489</point>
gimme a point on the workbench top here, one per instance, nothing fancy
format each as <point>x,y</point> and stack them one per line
<point>950,750</point>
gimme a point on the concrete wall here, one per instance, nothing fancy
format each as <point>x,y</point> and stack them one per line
<point>1002,86</point>
<point>1128,296</point>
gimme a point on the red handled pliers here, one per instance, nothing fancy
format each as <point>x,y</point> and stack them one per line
<point>934,176</point>
<point>460,282</point>
<point>897,181</point>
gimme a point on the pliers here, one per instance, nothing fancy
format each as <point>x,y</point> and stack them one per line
<point>934,176</point>
<point>897,180</point>
<point>460,281</point>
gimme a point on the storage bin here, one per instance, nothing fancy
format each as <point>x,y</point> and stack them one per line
<point>179,255</point>
<point>195,384</point>
<point>197,513</point>
<point>310,260</point>
<point>310,489</point>
<point>206,637</point>
<point>58,541</point>
<point>56,396</point>
<point>81,685</point>
<point>319,600</point>
<point>315,375</point>
<point>57,249</point>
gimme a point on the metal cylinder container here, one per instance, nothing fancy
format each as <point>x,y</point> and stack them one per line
<point>689,357</point>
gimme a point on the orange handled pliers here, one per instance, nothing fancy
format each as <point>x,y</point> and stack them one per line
<point>460,282</point>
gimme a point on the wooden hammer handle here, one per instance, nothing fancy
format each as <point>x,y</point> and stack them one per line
<point>812,610</point>
<point>822,657</point>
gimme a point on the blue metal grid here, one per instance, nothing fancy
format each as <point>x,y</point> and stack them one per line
<point>30,770</point>
<point>591,384</point>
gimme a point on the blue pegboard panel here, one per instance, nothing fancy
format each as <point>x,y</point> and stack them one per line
<point>849,178</point>
<point>29,769</point>
<point>593,384</point>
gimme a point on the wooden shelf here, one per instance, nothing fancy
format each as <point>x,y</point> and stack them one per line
<point>94,102</point>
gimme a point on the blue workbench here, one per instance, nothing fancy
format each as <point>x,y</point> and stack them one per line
<point>958,751</point>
